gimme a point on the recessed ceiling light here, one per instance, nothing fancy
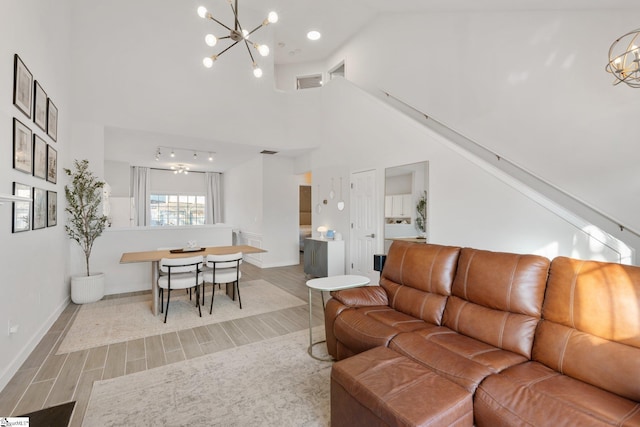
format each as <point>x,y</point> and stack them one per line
<point>314,35</point>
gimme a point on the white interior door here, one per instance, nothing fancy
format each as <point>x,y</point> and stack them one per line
<point>364,221</point>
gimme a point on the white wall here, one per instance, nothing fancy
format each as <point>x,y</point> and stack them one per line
<point>530,85</point>
<point>469,206</point>
<point>280,213</point>
<point>261,199</point>
<point>34,263</point>
<point>163,181</point>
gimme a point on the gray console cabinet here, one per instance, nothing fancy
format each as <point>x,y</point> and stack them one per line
<point>323,258</point>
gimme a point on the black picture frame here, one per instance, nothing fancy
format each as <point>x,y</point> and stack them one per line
<point>39,219</point>
<point>52,208</point>
<point>22,86</point>
<point>39,157</point>
<point>40,101</point>
<point>52,120</point>
<point>21,210</point>
<point>22,147</point>
<point>52,164</point>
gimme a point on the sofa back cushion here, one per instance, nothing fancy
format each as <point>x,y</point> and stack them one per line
<point>497,298</point>
<point>591,324</point>
<point>417,278</point>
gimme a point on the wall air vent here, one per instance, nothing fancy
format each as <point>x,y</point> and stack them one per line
<point>308,82</point>
<point>268,152</point>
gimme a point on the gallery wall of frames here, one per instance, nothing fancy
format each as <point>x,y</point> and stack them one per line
<point>35,133</point>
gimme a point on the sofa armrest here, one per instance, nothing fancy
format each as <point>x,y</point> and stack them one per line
<point>361,297</point>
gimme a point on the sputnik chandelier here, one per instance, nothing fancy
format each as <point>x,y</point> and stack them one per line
<point>237,34</point>
<point>624,59</point>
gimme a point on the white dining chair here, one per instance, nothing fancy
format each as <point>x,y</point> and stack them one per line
<point>180,273</point>
<point>223,269</point>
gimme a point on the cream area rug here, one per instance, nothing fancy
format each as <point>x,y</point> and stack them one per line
<point>122,319</point>
<point>268,383</point>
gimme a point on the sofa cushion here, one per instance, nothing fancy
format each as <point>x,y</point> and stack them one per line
<point>361,329</point>
<point>591,326</point>
<point>535,395</point>
<point>497,298</point>
<point>418,278</point>
<point>461,359</point>
<point>382,388</point>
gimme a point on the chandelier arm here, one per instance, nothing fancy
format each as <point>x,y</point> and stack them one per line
<point>215,20</point>
<point>235,15</point>
<point>255,29</point>
<point>228,47</point>
<point>249,50</point>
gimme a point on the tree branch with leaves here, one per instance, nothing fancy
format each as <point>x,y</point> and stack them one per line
<point>85,222</point>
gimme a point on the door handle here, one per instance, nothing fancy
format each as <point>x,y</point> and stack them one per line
<point>372,235</point>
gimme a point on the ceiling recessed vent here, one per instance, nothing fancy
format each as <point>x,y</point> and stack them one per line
<point>308,82</point>
<point>268,152</point>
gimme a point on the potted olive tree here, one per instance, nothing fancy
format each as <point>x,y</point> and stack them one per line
<point>421,216</point>
<point>85,223</point>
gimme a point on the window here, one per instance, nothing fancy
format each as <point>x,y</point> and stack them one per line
<point>308,82</point>
<point>177,209</point>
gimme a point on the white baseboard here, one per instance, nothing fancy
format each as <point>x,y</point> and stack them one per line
<point>20,358</point>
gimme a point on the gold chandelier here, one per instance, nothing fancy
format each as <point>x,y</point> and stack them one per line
<point>624,60</point>
<point>237,34</point>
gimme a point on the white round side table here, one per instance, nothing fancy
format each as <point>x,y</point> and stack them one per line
<point>328,284</point>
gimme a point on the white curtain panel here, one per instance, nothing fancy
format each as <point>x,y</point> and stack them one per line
<point>213,210</point>
<point>141,195</point>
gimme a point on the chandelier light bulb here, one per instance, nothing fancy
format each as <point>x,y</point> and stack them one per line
<point>272,18</point>
<point>314,35</point>
<point>211,40</point>
<point>257,71</point>
<point>263,49</point>
<point>245,34</point>
<point>202,12</point>
<point>207,62</point>
<point>186,172</point>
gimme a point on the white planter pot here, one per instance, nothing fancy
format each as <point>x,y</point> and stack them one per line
<point>86,289</point>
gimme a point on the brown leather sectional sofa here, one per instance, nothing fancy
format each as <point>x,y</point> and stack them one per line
<point>460,336</point>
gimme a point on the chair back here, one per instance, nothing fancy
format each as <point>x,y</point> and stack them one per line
<point>224,261</point>
<point>180,265</point>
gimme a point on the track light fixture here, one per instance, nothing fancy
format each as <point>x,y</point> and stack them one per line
<point>175,153</point>
<point>237,34</point>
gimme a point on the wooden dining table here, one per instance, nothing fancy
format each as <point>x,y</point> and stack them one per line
<point>155,256</point>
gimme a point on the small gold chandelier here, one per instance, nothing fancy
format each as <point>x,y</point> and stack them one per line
<point>624,60</point>
<point>237,34</point>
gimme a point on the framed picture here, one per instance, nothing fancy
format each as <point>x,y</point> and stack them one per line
<point>22,147</point>
<point>39,157</point>
<point>52,120</point>
<point>21,210</point>
<point>52,164</point>
<point>22,86</point>
<point>40,106</point>
<point>39,208</point>
<point>52,208</point>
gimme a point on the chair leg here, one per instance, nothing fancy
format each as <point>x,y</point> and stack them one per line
<point>198,300</point>
<point>161,296</point>
<point>166,312</point>
<point>238,288</point>
<point>213,294</point>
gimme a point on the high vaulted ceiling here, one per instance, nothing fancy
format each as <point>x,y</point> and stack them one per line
<point>142,61</point>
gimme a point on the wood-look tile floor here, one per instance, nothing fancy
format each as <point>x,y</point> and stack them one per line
<point>47,379</point>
